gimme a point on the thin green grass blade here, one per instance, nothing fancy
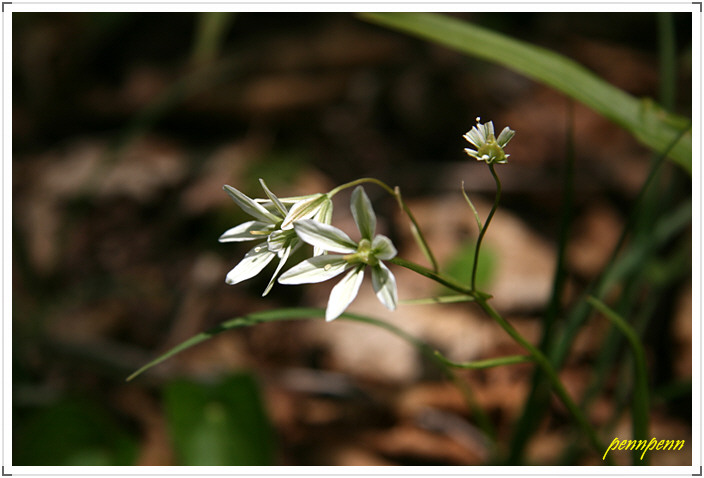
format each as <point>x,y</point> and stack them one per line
<point>278,315</point>
<point>640,394</point>
<point>443,299</point>
<point>535,405</point>
<point>238,322</point>
<point>488,363</point>
<point>648,122</point>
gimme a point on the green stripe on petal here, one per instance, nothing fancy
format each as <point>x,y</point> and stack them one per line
<point>363,213</point>
<point>250,206</point>
<point>304,209</point>
<point>384,284</point>
<point>247,231</point>
<point>252,264</point>
<point>279,205</point>
<point>344,293</point>
<point>315,269</point>
<point>324,236</point>
<point>383,248</point>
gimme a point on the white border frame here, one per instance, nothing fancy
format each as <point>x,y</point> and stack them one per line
<point>293,6</point>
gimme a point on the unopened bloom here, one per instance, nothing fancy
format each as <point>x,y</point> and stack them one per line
<point>488,147</point>
<point>270,227</point>
<point>347,255</point>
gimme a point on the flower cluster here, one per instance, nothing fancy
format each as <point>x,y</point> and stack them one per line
<point>488,148</point>
<point>283,225</point>
<point>273,226</point>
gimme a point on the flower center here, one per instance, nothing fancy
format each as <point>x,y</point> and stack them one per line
<point>491,151</point>
<point>364,254</point>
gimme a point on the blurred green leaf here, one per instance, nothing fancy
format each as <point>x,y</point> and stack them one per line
<point>72,432</point>
<point>211,30</point>
<point>648,122</point>
<point>220,424</point>
<point>459,267</point>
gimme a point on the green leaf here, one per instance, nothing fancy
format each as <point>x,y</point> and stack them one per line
<point>276,316</point>
<point>73,431</point>
<point>648,122</point>
<point>220,424</point>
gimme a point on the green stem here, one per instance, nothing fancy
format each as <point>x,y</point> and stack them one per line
<point>396,193</point>
<point>486,226</point>
<point>446,281</point>
<point>357,182</point>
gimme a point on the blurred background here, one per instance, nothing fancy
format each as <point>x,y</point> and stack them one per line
<point>127,125</point>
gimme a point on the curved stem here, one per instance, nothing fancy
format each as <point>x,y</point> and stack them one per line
<point>357,182</point>
<point>486,226</point>
<point>415,230</point>
<point>396,193</point>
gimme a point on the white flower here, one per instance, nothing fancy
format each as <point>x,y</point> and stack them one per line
<point>269,226</point>
<point>488,148</point>
<point>347,255</point>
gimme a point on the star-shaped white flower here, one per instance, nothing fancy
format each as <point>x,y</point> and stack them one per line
<point>346,255</point>
<point>488,147</point>
<point>273,225</point>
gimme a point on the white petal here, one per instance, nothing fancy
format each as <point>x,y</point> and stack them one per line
<point>284,258</point>
<point>244,231</point>
<point>250,206</point>
<point>304,209</point>
<point>325,236</point>
<point>324,213</point>
<point>505,136</point>
<point>252,264</point>
<point>476,138</point>
<point>470,139</point>
<point>324,216</point>
<point>472,153</point>
<point>383,248</point>
<point>315,269</point>
<point>363,213</point>
<point>279,205</point>
<point>489,128</point>
<point>344,293</point>
<point>384,284</point>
